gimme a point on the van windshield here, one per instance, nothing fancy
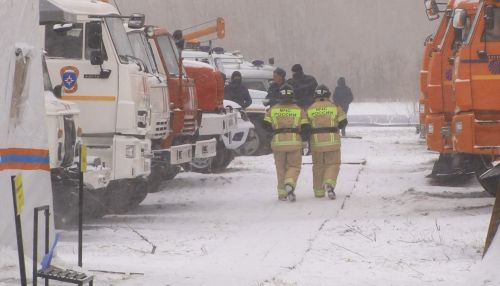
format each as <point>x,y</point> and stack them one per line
<point>170,54</point>
<point>120,39</point>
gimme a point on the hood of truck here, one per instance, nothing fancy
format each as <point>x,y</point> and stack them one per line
<point>67,10</point>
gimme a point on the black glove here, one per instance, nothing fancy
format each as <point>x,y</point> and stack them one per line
<point>343,124</point>
<point>305,132</point>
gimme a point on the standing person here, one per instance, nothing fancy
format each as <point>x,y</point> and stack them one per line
<point>303,86</point>
<point>342,97</point>
<point>237,92</point>
<point>325,118</point>
<point>288,122</point>
<point>273,92</point>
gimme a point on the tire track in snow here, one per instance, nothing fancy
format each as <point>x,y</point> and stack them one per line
<point>311,241</point>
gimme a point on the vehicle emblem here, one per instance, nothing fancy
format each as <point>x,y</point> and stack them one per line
<point>494,67</point>
<point>69,76</point>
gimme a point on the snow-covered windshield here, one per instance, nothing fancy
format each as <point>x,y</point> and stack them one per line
<point>142,50</point>
<point>170,54</point>
<point>120,39</point>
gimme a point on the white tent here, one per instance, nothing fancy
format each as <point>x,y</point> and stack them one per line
<point>23,138</point>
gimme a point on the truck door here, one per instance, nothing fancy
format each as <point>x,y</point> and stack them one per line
<point>485,61</point>
<point>81,59</point>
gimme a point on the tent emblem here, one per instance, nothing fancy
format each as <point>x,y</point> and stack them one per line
<point>69,77</point>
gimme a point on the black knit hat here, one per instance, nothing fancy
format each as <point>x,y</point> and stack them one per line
<point>281,72</point>
<point>297,68</point>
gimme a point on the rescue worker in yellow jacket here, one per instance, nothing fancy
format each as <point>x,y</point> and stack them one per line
<point>288,122</point>
<point>326,119</point>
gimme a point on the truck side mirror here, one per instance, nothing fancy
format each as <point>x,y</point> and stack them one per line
<point>271,61</point>
<point>62,28</point>
<point>95,35</point>
<point>96,58</point>
<point>489,17</point>
<point>136,21</point>
<point>431,9</point>
<point>459,19</point>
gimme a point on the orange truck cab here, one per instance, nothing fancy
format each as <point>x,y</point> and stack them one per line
<point>476,125</point>
<point>429,47</point>
<point>440,98</point>
<point>476,81</point>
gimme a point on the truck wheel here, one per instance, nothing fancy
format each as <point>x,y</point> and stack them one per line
<point>483,164</point>
<point>119,196</point>
<point>220,163</point>
<point>251,146</point>
<point>216,164</point>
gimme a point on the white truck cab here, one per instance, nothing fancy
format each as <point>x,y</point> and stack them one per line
<point>256,76</point>
<point>89,54</point>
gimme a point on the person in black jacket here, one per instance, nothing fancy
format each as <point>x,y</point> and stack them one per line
<point>342,97</point>
<point>273,93</point>
<point>237,92</point>
<point>303,86</point>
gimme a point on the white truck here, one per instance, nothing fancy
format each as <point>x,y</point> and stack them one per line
<point>256,77</point>
<point>64,131</point>
<point>88,52</point>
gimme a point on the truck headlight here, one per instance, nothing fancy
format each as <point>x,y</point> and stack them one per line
<point>430,128</point>
<point>130,151</point>
<point>459,127</point>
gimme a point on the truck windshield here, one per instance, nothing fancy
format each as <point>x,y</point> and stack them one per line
<point>170,54</point>
<point>120,39</point>
<point>141,49</point>
<point>493,35</point>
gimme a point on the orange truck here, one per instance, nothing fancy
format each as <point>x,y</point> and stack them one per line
<point>207,87</point>
<point>476,83</point>
<point>436,87</point>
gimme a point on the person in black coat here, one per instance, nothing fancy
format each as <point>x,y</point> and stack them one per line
<point>273,93</point>
<point>237,92</point>
<point>303,86</point>
<point>342,97</point>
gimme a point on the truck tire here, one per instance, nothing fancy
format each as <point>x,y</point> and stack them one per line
<point>483,164</point>
<point>123,196</point>
<point>216,164</point>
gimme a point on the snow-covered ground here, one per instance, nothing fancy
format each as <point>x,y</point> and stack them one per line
<point>388,226</point>
<point>383,113</point>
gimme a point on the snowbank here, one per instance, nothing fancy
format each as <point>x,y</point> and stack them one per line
<point>486,272</point>
<point>383,113</point>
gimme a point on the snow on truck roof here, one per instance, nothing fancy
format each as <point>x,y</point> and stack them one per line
<point>66,10</point>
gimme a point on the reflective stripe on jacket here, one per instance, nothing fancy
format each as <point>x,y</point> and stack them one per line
<point>284,116</point>
<point>325,114</point>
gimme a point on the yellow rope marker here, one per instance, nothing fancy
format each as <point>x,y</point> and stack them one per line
<point>83,159</point>
<point>18,182</point>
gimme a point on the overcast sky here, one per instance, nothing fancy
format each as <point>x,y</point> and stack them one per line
<point>375,44</point>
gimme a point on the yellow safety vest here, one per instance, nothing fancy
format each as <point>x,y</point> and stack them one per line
<point>325,114</point>
<point>286,116</point>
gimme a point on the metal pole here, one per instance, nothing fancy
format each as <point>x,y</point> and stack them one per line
<point>80,218</point>
<point>47,236</point>
<point>19,234</point>
<point>35,247</point>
